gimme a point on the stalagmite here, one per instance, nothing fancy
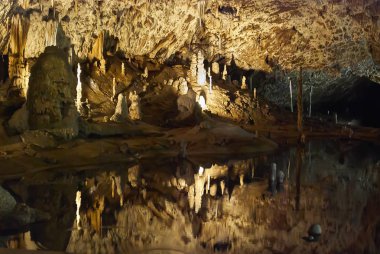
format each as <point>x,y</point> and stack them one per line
<point>182,87</point>
<point>215,68</point>
<point>26,80</point>
<point>291,95</point>
<point>224,75</point>
<point>200,171</point>
<point>146,73</point>
<point>222,186</point>
<point>134,109</point>
<point>254,93</point>
<point>202,102</point>
<point>201,70</point>
<point>122,69</point>
<point>113,89</point>
<point>78,201</point>
<point>210,80</point>
<point>121,110</point>
<point>78,101</point>
<point>243,83</point>
<point>193,69</point>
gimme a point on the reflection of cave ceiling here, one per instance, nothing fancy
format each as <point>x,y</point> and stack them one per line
<point>333,35</point>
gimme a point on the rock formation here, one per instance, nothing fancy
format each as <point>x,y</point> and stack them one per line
<point>51,93</point>
<point>201,72</point>
<point>134,108</point>
<point>121,110</point>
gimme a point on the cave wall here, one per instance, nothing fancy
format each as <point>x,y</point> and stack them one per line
<point>335,41</point>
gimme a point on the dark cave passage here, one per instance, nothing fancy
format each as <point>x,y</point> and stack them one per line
<point>3,68</point>
<point>357,106</point>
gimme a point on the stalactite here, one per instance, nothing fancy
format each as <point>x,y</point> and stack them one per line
<point>97,48</point>
<point>243,83</point>
<point>210,80</point>
<point>76,7</point>
<point>51,33</point>
<point>18,35</point>
<point>224,76</point>
<point>119,190</point>
<point>201,11</point>
<point>241,177</point>
<point>25,4</point>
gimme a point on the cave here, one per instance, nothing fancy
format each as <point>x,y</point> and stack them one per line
<point>176,126</point>
<point>3,68</point>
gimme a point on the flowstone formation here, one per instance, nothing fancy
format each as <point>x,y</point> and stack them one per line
<point>51,94</point>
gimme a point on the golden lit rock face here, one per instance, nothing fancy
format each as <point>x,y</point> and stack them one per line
<point>260,34</point>
<point>52,91</point>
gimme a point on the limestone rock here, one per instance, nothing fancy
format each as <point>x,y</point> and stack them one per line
<point>215,68</point>
<point>19,120</point>
<point>7,202</point>
<point>134,108</point>
<point>39,138</point>
<point>51,92</point>
<point>121,110</point>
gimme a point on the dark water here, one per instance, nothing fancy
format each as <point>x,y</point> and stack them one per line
<point>267,206</point>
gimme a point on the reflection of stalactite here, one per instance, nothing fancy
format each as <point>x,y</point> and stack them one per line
<point>119,189</point>
<point>51,33</point>
<point>199,190</point>
<point>95,213</point>
<point>191,196</point>
<point>78,201</point>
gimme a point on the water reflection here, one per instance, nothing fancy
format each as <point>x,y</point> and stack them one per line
<point>265,203</point>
